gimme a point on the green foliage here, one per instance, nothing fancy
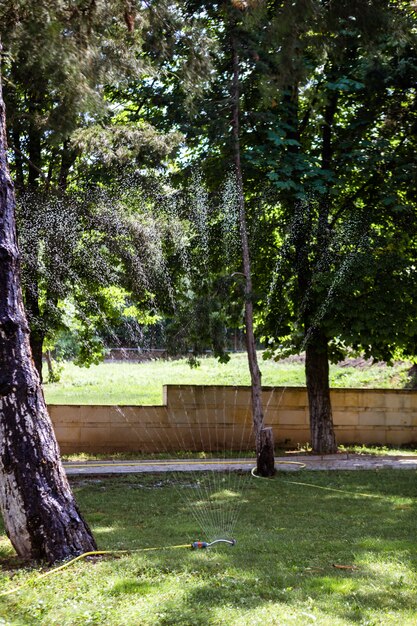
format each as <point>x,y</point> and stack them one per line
<point>98,264</point>
<point>107,91</point>
<point>202,320</point>
<point>337,150</point>
<point>207,306</point>
<point>327,108</point>
<point>71,73</point>
<point>121,145</point>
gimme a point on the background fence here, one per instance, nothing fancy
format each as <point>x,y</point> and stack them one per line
<point>219,417</point>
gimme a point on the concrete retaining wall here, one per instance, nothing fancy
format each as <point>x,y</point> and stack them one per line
<point>215,417</point>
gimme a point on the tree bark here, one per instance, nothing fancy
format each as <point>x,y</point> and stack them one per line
<point>36,347</point>
<point>34,142</point>
<point>323,440</point>
<point>51,373</point>
<point>68,157</point>
<point>20,177</point>
<point>264,453</point>
<point>33,311</point>
<point>265,465</point>
<point>41,516</point>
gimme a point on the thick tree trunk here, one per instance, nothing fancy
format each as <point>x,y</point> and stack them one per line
<point>41,516</point>
<point>323,438</point>
<point>264,453</point>
<point>265,465</point>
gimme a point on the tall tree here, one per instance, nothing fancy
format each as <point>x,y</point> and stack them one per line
<point>340,169</point>
<point>71,70</point>
<point>327,117</point>
<point>41,516</point>
<point>225,18</point>
<point>264,436</point>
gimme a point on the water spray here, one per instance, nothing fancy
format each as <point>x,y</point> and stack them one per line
<point>201,545</point>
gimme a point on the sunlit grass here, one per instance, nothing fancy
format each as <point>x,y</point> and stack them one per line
<point>141,383</point>
<point>304,556</point>
<point>379,450</point>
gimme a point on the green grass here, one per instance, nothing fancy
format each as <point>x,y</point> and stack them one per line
<point>380,450</point>
<point>141,383</point>
<point>282,571</point>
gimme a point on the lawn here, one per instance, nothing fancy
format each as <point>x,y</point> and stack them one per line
<point>338,549</point>
<point>141,383</point>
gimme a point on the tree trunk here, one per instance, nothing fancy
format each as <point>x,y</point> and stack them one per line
<point>36,348</point>
<point>51,373</point>
<point>34,142</point>
<point>33,311</point>
<point>323,438</point>
<point>41,516</point>
<point>68,157</point>
<point>18,160</point>
<point>264,453</point>
<point>32,291</point>
<point>265,465</point>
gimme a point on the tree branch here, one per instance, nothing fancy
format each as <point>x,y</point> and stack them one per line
<point>31,164</point>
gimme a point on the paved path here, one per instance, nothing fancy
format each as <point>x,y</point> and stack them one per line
<point>291,462</point>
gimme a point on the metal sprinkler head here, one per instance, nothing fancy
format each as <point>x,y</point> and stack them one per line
<point>201,545</point>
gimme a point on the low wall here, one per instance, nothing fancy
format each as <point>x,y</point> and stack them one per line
<point>216,417</point>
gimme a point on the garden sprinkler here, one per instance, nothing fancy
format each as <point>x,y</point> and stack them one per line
<point>200,545</point>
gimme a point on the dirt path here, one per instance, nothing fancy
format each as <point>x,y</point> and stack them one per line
<point>288,463</point>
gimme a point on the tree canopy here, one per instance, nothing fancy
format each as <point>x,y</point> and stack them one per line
<point>102,93</point>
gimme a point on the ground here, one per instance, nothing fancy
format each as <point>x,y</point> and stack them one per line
<point>328,548</point>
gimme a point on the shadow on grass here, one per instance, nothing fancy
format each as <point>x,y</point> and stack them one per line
<point>290,538</point>
<point>313,551</point>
